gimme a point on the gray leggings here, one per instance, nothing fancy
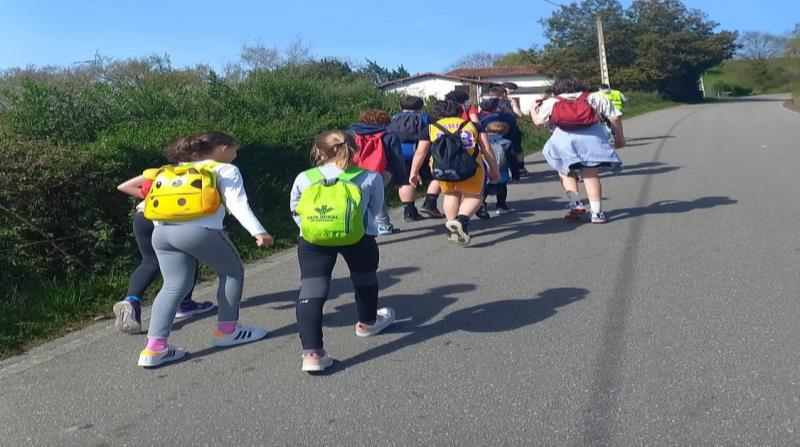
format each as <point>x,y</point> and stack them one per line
<point>179,248</point>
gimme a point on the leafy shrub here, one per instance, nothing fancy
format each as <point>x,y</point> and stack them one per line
<point>64,146</point>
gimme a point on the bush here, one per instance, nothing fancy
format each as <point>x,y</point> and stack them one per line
<point>66,145</point>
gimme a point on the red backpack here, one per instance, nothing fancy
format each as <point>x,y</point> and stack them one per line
<point>573,114</point>
<point>372,153</point>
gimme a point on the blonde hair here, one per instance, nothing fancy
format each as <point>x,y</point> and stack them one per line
<point>334,146</point>
<point>497,127</point>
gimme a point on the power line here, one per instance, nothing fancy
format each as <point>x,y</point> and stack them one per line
<point>553,3</point>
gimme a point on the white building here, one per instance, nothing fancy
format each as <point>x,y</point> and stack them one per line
<point>432,84</point>
<point>477,81</point>
<point>532,84</point>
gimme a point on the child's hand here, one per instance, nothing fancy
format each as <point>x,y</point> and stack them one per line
<point>414,180</point>
<point>494,175</point>
<point>264,240</point>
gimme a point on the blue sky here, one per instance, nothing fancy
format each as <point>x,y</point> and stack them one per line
<point>42,32</point>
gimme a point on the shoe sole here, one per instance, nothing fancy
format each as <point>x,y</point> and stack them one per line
<point>455,227</point>
<point>318,368</point>
<point>125,321</point>
<point>194,312</point>
<point>179,354</point>
<point>227,344</point>
<point>599,221</point>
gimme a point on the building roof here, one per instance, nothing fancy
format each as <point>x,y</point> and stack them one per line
<point>495,72</point>
<point>401,81</point>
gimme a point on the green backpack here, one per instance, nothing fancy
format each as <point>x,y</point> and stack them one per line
<point>330,209</point>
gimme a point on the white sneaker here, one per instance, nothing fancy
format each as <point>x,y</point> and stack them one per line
<point>383,319</point>
<point>455,227</point>
<point>150,359</point>
<point>315,363</point>
<point>501,211</point>
<point>242,334</point>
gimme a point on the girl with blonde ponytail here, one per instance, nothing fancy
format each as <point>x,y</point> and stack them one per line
<point>332,155</point>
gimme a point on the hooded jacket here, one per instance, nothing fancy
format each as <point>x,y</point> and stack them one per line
<point>394,153</point>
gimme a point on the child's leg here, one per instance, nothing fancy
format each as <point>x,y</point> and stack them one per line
<point>316,266</point>
<point>452,204</point>
<point>502,195</point>
<point>177,268</point>
<point>148,270</point>
<point>382,218</point>
<point>594,190</point>
<point>362,260</point>
<point>470,203</point>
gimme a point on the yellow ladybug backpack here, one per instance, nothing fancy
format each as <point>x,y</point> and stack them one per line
<point>184,192</point>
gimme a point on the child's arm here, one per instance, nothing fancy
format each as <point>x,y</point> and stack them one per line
<point>377,196</point>
<point>488,155</point>
<point>232,189</point>
<point>515,107</point>
<point>133,187</point>
<point>619,136</point>
<point>416,163</point>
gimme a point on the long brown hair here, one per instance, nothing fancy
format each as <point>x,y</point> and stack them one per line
<point>334,146</point>
<point>198,146</point>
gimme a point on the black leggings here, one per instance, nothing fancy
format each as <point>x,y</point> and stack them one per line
<point>148,269</point>
<point>496,189</point>
<point>316,267</point>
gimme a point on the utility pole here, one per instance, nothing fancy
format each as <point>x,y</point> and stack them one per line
<point>601,46</point>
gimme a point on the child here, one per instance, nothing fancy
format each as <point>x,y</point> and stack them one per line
<point>373,124</point>
<point>578,142</point>
<point>333,154</point>
<point>501,147</point>
<point>411,126</point>
<point>180,245</point>
<point>469,112</point>
<point>129,310</point>
<point>461,198</point>
<point>491,111</point>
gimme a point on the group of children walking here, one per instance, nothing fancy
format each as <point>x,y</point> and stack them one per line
<point>462,152</point>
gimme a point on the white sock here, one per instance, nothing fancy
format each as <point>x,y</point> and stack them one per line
<point>595,206</point>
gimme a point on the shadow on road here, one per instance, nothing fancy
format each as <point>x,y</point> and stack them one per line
<point>658,137</point>
<point>490,317</point>
<point>646,168</point>
<point>286,299</point>
<point>670,207</point>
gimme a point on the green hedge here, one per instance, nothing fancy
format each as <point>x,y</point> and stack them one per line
<point>64,146</point>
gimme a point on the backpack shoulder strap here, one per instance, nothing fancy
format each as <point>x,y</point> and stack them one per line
<point>314,175</point>
<point>350,173</point>
<point>439,126</point>
<point>584,96</point>
<point>424,118</point>
<point>462,126</point>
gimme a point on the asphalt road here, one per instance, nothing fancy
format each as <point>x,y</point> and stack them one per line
<point>674,324</point>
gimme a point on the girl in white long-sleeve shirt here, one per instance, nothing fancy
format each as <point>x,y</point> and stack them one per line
<point>179,245</point>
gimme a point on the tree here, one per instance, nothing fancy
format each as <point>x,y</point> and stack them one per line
<point>259,57</point>
<point>381,75</point>
<point>653,45</point>
<point>474,60</point>
<point>674,46</point>
<point>792,43</point>
<point>758,45</point>
<point>530,56</point>
<point>572,35</point>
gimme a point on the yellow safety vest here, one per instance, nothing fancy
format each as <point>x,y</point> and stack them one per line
<point>615,96</point>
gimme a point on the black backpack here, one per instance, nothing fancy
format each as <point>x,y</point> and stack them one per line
<point>451,161</point>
